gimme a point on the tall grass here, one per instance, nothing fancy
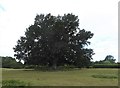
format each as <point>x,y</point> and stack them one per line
<point>83,77</point>
<point>14,83</point>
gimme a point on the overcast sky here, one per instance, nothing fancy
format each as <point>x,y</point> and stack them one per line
<point>98,16</point>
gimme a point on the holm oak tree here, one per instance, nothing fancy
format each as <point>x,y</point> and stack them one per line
<point>55,41</point>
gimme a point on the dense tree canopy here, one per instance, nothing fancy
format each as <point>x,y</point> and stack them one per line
<point>55,41</point>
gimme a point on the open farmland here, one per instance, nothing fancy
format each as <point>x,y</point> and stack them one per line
<point>83,77</point>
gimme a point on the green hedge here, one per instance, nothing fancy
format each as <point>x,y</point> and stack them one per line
<point>46,68</point>
<point>106,66</point>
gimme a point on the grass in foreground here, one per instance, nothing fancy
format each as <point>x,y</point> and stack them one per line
<point>14,83</point>
<point>83,77</point>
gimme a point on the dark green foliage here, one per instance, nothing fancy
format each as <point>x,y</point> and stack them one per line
<point>55,41</point>
<point>109,59</point>
<point>108,62</point>
<point>105,76</point>
<point>9,62</point>
<point>106,66</point>
<point>45,68</point>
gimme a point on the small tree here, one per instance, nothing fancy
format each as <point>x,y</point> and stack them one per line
<point>109,59</point>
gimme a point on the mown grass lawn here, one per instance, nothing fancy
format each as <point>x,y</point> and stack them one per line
<point>83,77</point>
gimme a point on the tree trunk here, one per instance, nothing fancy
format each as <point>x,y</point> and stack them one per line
<point>54,66</point>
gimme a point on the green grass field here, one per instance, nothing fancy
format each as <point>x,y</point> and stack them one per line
<point>83,77</point>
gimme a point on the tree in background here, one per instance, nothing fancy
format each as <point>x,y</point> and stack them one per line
<point>54,41</point>
<point>9,62</point>
<point>109,59</point>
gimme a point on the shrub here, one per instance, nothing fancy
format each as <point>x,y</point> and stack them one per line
<point>105,76</point>
<point>9,62</point>
<point>46,68</point>
<point>106,66</point>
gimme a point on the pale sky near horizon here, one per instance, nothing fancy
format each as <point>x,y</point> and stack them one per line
<point>98,16</point>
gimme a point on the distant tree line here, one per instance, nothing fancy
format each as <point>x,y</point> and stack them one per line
<point>109,59</point>
<point>108,62</point>
<point>9,62</point>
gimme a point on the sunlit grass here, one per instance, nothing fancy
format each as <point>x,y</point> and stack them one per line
<point>14,83</point>
<point>83,77</point>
